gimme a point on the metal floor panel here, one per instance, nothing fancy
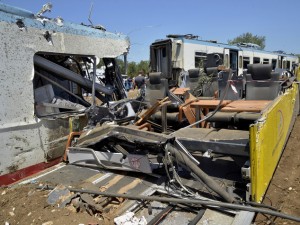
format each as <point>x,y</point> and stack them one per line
<point>135,183</point>
<point>212,217</point>
<point>69,175</point>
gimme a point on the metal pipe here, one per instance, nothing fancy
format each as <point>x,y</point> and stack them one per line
<point>63,88</point>
<point>94,81</point>
<point>182,201</point>
<point>160,216</point>
<point>164,118</point>
<point>69,75</point>
<point>125,63</point>
<point>198,217</point>
<point>185,160</point>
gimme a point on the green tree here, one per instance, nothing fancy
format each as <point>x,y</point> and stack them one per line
<point>249,38</point>
<point>144,66</point>
<point>132,69</point>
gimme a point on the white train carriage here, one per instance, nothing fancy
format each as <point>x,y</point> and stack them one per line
<point>180,53</point>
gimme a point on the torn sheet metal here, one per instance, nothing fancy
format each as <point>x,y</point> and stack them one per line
<point>108,160</point>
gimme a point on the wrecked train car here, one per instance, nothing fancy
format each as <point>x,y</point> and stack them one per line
<point>197,174</point>
<point>178,53</point>
<point>44,75</point>
<point>228,153</point>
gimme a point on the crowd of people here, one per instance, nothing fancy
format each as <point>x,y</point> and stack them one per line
<point>138,82</point>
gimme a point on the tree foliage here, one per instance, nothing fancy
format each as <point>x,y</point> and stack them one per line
<point>133,68</point>
<point>249,38</point>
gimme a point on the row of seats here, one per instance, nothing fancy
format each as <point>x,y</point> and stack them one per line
<point>259,83</point>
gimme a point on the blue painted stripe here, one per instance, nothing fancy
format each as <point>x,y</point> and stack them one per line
<point>15,10</point>
<point>206,43</point>
<point>11,14</point>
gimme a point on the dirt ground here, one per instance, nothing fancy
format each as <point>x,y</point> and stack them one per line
<point>27,205</point>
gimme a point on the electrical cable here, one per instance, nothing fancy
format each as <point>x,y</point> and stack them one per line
<point>261,205</point>
<point>176,176</point>
<point>197,217</point>
<point>184,158</point>
<point>218,106</point>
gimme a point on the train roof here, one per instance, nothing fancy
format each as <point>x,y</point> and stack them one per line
<point>194,40</point>
<point>11,14</point>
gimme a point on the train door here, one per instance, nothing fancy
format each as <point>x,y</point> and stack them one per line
<point>240,63</point>
<point>160,57</point>
<point>281,62</point>
<point>226,58</point>
<point>231,59</point>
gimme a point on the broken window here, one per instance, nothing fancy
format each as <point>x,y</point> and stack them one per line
<point>64,83</point>
<point>200,58</point>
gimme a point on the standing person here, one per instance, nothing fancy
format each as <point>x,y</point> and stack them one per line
<point>127,84</point>
<point>139,82</point>
<point>129,79</point>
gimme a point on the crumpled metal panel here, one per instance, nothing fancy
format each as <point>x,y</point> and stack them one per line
<point>22,36</point>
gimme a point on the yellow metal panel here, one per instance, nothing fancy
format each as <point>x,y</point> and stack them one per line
<point>298,73</point>
<point>267,140</point>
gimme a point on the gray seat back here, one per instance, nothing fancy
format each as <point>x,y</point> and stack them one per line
<point>235,90</point>
<point>192,79</point>
<point>156,88</point>
<point>261,82</point>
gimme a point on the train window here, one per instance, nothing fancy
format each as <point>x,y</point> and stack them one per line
<point>200,54</point>
<point>279,63</point>
<point>284,64</point>
<point>164,52</point>
<point>274,61</point>
<point>246,61</point>
<point>233,60</point>
<point>240,61</point>
<point>256,60</point>
<point>288,65</point>
<point>200,58</point>
<point>265,61</point>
